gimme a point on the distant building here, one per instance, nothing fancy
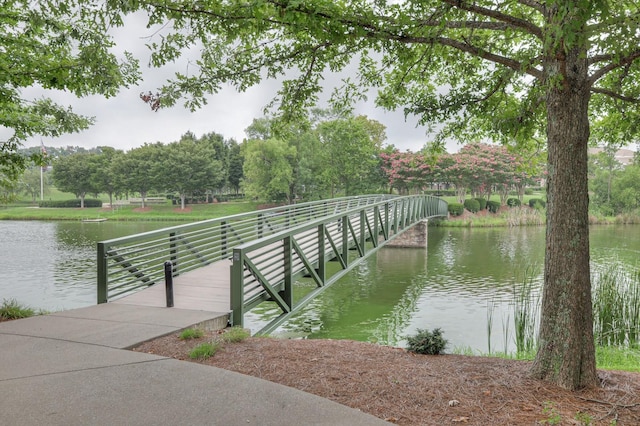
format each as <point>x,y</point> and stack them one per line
<point>623,156</point>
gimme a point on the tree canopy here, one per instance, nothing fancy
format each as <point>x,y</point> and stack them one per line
<point>56,46</point>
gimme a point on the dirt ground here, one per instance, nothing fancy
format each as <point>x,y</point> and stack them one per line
<point>410,389</point>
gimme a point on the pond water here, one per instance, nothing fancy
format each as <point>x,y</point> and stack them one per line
<point>52,265</point>
<point>464,275</point>
<point>463,278</point>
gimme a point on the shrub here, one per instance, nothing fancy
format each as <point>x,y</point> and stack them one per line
<point>513,202</point>
<point>482,202</point>
<point>537,203</point>
<point>472,205</point>
<point>74,203</point>
<point>456,209</point>
<point>493,206</point>
<point>427,342</point>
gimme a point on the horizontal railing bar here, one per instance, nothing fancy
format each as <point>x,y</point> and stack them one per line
<point>207,222</point>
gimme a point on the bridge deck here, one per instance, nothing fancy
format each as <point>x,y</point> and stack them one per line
<point>203,289</point>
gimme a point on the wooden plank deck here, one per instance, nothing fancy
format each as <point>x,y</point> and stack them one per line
<point>203,289</point>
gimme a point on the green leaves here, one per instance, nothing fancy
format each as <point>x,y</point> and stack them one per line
<point>59,46</point>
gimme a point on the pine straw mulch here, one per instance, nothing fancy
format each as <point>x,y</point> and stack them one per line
<point>410,389</point>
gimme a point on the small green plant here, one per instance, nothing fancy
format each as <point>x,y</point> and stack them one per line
<point>427,342</point>
<point>235,335</point>
<point>204,351</point>
<point>191,333</point>
<point>11,310</point>
<point>552,413</point>
<point>584,418</point>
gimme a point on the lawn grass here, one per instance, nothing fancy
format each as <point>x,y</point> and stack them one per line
<point>160,212</point>
<point>607,357</point>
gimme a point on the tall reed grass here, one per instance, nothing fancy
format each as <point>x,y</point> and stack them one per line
<point>616,306</point>
<point>524,216</point>
<point>526,312</point>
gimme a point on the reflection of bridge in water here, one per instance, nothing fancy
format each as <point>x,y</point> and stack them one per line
<point>232,264</point>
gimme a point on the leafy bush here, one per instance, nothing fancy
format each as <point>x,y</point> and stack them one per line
<point>456,209</point>
<point>482,202</point>
<point>427,342</point>
<point>513,202</point>
<point>472,205</point>
<point>493,206</point>
<point>74,203</point>
<point>537,203</point>
<point>528,191</point>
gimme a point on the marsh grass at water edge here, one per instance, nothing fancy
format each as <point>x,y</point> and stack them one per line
<point>616,311</point>
<point>616,306</point>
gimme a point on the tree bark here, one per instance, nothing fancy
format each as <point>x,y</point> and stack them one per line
<point>566,353</point>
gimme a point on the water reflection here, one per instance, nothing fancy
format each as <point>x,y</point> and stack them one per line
<point>52,265</point>
<point>464,275</point>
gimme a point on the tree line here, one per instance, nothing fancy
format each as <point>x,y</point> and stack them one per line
<point>614,188</point>
<point>189,167</point>
<point>331,156</point>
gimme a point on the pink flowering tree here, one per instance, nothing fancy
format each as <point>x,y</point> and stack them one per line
<point>483,169</point>
<point>407,172</point>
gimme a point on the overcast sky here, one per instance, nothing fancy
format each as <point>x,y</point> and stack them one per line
<point>125,122</point>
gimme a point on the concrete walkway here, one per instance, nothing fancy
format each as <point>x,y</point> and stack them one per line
<point>72,368</point>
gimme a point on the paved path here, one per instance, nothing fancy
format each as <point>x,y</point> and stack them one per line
<point>71,368</point>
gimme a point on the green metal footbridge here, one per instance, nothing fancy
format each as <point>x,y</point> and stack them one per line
<point>234,263</point>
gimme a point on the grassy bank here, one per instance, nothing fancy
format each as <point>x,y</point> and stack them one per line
<point>160,212</point>
<point>524,216</point>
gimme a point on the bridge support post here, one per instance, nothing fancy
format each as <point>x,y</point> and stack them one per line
<point>287,293</point>
<point>416,236</point>
<point>237,289</point>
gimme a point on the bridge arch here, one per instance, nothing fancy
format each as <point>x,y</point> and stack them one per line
<point>269,249</point>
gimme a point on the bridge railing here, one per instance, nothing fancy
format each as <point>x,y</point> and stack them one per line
<point>128,264</point>
<point>266,269</point>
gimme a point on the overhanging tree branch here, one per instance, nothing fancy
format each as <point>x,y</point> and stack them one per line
<point>475,51</point>
<point>615,95</point>
<point>499,16</point>
<point>625,60</point>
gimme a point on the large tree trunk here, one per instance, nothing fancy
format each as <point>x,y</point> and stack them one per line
<point>566,353</point>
